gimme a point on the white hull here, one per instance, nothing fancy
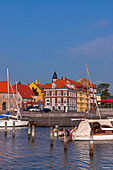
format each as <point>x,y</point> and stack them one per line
<point>95,138</point>
<point>18,123</point>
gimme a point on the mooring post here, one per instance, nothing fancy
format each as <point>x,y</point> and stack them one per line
<point>65,140</point>
<point>51,136</point>
<point>29,126</point>
<point>33,133</point>
<point>91,142</point>
<point>13,129</point>
<point>5,128</point>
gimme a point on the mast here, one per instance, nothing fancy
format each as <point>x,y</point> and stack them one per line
<point>8,87</point>
<point>16,95</point>
<point>87,91</point>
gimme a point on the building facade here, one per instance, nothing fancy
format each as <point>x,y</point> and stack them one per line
<point>7,97</point>
<point>24,95</point>
<point>60,95</point>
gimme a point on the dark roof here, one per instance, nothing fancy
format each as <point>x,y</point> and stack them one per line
<point>55,75</point>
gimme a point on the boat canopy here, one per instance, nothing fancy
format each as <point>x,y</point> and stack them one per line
<point>83,129</point>
<point>103,122</point>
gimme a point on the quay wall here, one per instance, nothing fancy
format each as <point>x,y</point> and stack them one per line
<point>52,119</point>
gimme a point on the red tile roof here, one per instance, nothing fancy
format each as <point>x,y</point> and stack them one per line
<point>61,84</point>
<point>74,82</point>
<point>24,91</point>
<point>4,87</point>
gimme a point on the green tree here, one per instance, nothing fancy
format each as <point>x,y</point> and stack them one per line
<point>35,91</point>
<point>19,82</point>
<point>102,89</point>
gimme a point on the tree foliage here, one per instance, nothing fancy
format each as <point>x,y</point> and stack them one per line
<point>103,90</point>
<point>35,91</point>
<point>19,82</point>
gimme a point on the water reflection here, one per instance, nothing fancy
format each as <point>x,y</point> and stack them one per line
<point>20,153</point>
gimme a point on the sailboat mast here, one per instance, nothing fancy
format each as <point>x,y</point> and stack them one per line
<point>8,86</point>
<point>87,90</point>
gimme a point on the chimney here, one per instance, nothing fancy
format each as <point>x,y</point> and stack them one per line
<point>27,84</point>
<point>36,81</point>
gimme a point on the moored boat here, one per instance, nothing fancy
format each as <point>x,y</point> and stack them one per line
<point>102,129</point>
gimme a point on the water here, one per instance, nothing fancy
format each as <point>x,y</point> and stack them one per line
<point>19,153</point>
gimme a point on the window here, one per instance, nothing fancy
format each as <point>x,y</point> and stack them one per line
<point>47,93</point>
<point>53,93</point>
<point>18,99</point>
<point>65,93</point>
<point>65,100</point>
<point>11,105</point>
<point>11,96</point>
<point>80,98</point>
<point>4,96</point>
<point>53,100</point>
<point>59,93</point>
<point>59,100</point>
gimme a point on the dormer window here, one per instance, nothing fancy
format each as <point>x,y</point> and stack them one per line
<point>53,85</point>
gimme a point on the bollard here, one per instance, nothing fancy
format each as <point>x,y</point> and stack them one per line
<point>33,133</point>
<point>51,136</point>
<point>5,128</point>
<point>91,144</point>
<point>65,140</point>
<point>13,129</point>
<point>29,131</point>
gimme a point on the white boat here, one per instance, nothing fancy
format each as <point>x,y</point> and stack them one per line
<point>10,118</point>
<point>102,129</point>
<point>18,123</point>
<point>92,129</point>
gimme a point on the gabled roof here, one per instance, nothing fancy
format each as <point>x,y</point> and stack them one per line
<point>24,91</point>
<point>74,82</point>
<point>4,87</point>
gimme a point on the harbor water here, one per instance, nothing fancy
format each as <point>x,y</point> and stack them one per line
<point>20,153</point>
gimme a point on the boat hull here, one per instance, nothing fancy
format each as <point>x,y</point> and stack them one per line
<point>95,138</point>
<point>18,123</point>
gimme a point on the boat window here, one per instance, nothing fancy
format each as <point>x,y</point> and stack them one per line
<point>106,126</point>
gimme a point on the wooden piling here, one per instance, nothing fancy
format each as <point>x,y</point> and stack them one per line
<point>29,126</point>
<point>91,144</point>
<point>33,133</point>
<point>65,140</point>
<point>51,136</point>
<point>5,129</point>
<point>13,129</point>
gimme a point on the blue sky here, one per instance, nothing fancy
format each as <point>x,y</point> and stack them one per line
<point>40,36</point>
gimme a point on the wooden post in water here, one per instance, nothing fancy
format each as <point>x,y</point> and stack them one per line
<point>91,143</point>
<point>5,128</point>
<point>29,126</point>
<point>65,140</point>
<point>51,136</point>
<point>33,133</point>
<point>13,129</point>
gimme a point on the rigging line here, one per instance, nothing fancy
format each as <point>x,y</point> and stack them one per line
<point>93,93</point>
<point>14,96</point>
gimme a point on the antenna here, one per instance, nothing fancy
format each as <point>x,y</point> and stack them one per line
<point>8,86</point>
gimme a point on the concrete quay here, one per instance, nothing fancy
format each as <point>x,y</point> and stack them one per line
<point>52,119</point>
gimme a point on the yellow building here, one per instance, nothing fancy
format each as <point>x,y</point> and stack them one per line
<point>37,89</point>
<point>82,102</point>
